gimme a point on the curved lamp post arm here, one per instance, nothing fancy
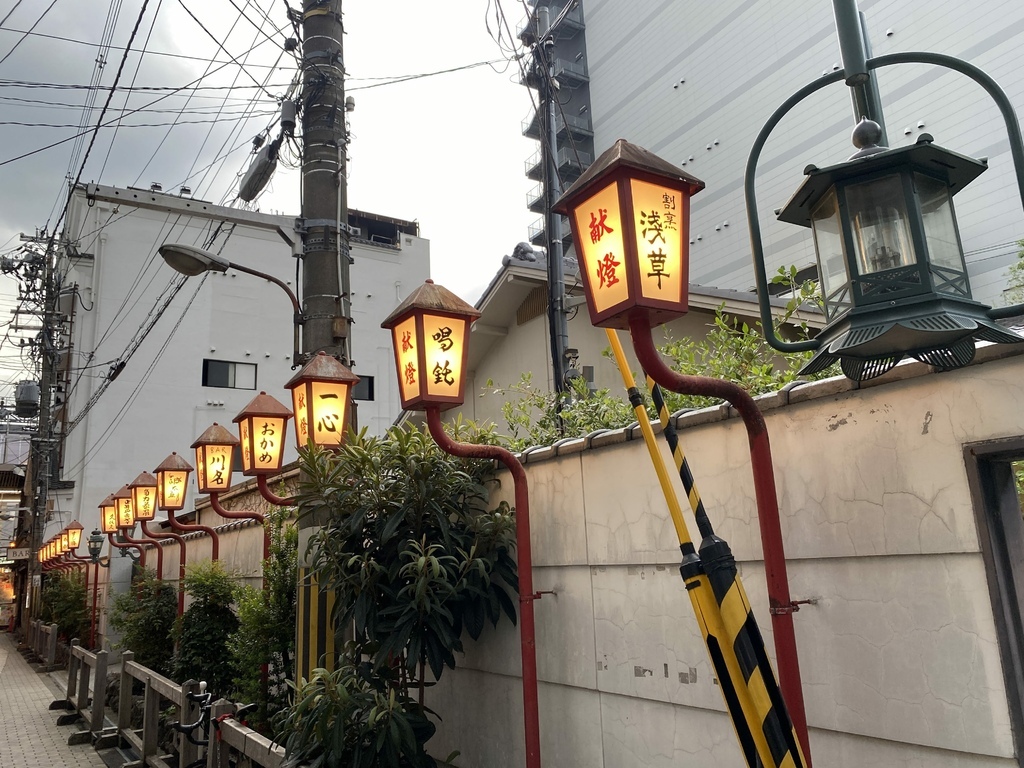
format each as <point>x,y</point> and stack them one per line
<point>269,495</point>
<point>527,631</point>
<point>188,528</point>
<point>143,542</point>
<point>298,318</point>
<point>754,225</point>
<point>136,547</point>
<point>243,515</point>
<point>781,604</point>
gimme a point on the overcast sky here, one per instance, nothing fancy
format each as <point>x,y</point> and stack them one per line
<point>445,150</point>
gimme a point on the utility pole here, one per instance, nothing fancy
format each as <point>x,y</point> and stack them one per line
<point>557,321</point>
<point>326,293</point>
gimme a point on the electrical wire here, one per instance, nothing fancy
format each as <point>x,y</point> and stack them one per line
<point>22,38</point>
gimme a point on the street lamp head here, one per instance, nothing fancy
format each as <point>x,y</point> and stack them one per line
<point>65,542</point>
<point>215,455</point>
<point>172,482</point>
<point>123,505</point>
<point>143,490</point>
<point>191,261</point>
<point>95,544</point>
<point>890,260</point>
<point>261,431</point>
<point>321,393</point>
<point>108,514</point>
<point>75,534</point>
<point>430,333</point>
<point>630,218</point>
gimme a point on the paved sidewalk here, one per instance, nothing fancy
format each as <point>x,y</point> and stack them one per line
<point>29,736</point>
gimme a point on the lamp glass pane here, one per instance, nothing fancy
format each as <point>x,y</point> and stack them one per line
<point>74,537</point>
<point>65,542</point>
<point>108,519</point>
<point>828,244</point>
<point>144,502</point>
<point>262,443</point>
<point>125,515</point>
<point>881,229</point>
<point>300,398</point>
<point>170,489</point>
<point>213,463</point>
<point>407,355</point>
<point>444,339</point>
<point>658,222</point>
<point>599,223</point>
<point>329,402</point>
<point>939,224</point>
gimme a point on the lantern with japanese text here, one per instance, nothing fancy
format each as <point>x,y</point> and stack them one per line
<point>321,392</point>
<point>143,489</point>
<point>108,515</point>
<point>123,504</point>
<point>172,483</point>
<point>630,218</point>
<point>261,426</point>
<point>74,534</point>
<point>215,455</point>
<point>65,543</point>
<point>430,332</point>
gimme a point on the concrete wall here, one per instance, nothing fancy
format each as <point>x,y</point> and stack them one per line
<point>899,655</point>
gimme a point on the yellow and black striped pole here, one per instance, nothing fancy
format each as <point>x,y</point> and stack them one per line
<point>745,697</point>
<point>738,621</point>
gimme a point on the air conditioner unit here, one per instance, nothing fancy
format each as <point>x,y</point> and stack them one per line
<point>355,231</point>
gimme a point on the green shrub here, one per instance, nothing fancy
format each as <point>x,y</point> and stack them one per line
<point>205,628</point>
<point>145,615</point>
<point>64,604</point>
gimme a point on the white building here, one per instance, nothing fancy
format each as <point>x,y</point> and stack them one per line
<point>695,82</point>
<point>215,345</point>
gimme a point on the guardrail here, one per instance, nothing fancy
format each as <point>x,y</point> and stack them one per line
<point>42,643</point>
<point>238,745</point>
<point>80,663</point>
<point>156,689</point>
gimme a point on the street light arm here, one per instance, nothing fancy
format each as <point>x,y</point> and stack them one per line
<point>780,602</point>
<point>754,225</point>
<point>145,540</point>
<point>527,629</point>
<point>269,495</point>
<point>187,528</point>
<point>298,318</point>
<point>244,515</point>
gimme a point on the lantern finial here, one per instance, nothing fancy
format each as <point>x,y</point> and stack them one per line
<point>866,137</point>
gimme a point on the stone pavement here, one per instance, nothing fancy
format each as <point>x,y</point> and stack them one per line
<point>29,736</point>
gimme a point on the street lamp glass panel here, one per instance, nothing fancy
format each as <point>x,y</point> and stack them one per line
<point>95,544</point>
<point>940,230</point>
<point>108,515</point>
<point>65,542</point>
<point>262,439</point>
<point>125,514</point>
<point>881,227</point>
<point>144,502</point>
<point>599,220</point>
<point>74,535</point>
<point>444,341</point>
<point>170,488</point>
<point>828,243</point>
<point>213,467</point>
<point>321,393</point>
<point>407,358</point>
<point>658,224</point>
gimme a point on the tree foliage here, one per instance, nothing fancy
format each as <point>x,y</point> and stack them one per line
<point>416,561</point>
<point>145,616</point>
<point>1014,293</point>
<point>206,627</point>
<point>64,604</point>
<point>266,625</point>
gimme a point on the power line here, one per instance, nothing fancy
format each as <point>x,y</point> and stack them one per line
<point>228,119</point>
<point>22,38</point>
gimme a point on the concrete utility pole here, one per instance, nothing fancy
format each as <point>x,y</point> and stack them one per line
<point>326,292</point>
<point>557,321</point>
<point>325,260</point>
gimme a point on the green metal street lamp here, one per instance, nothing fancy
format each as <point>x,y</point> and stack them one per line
<point>890,261</point>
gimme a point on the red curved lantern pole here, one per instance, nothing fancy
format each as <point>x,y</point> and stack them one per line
<point>128,544</point>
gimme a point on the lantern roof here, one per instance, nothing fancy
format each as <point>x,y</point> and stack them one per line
<point>622,154</point>
<point>956,170</point>
<point>107,502</point>
<point>263,405</point>
<point>124,492</point>
<point>74,524</point>
<point>174,463</point>
<point>432,298</point>
<point>215,435</point>
<point>322,367</point>
<point>144,480</point>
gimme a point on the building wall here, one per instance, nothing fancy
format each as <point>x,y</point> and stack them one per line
<point>695,82</point>
<point>899,652</point>
<point>158,403</point>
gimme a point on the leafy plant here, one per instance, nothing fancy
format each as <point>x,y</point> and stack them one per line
<point>1014,293</point>
<point>206,627</point>
<point>266,626</point>
<point>64,604</point>
<point>144,616</point>
<point>356,717</point>
<point>415,561</point>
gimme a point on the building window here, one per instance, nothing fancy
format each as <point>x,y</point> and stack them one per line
<point>364,389</point>
<point>995,471</point>
<point>223,373</point>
